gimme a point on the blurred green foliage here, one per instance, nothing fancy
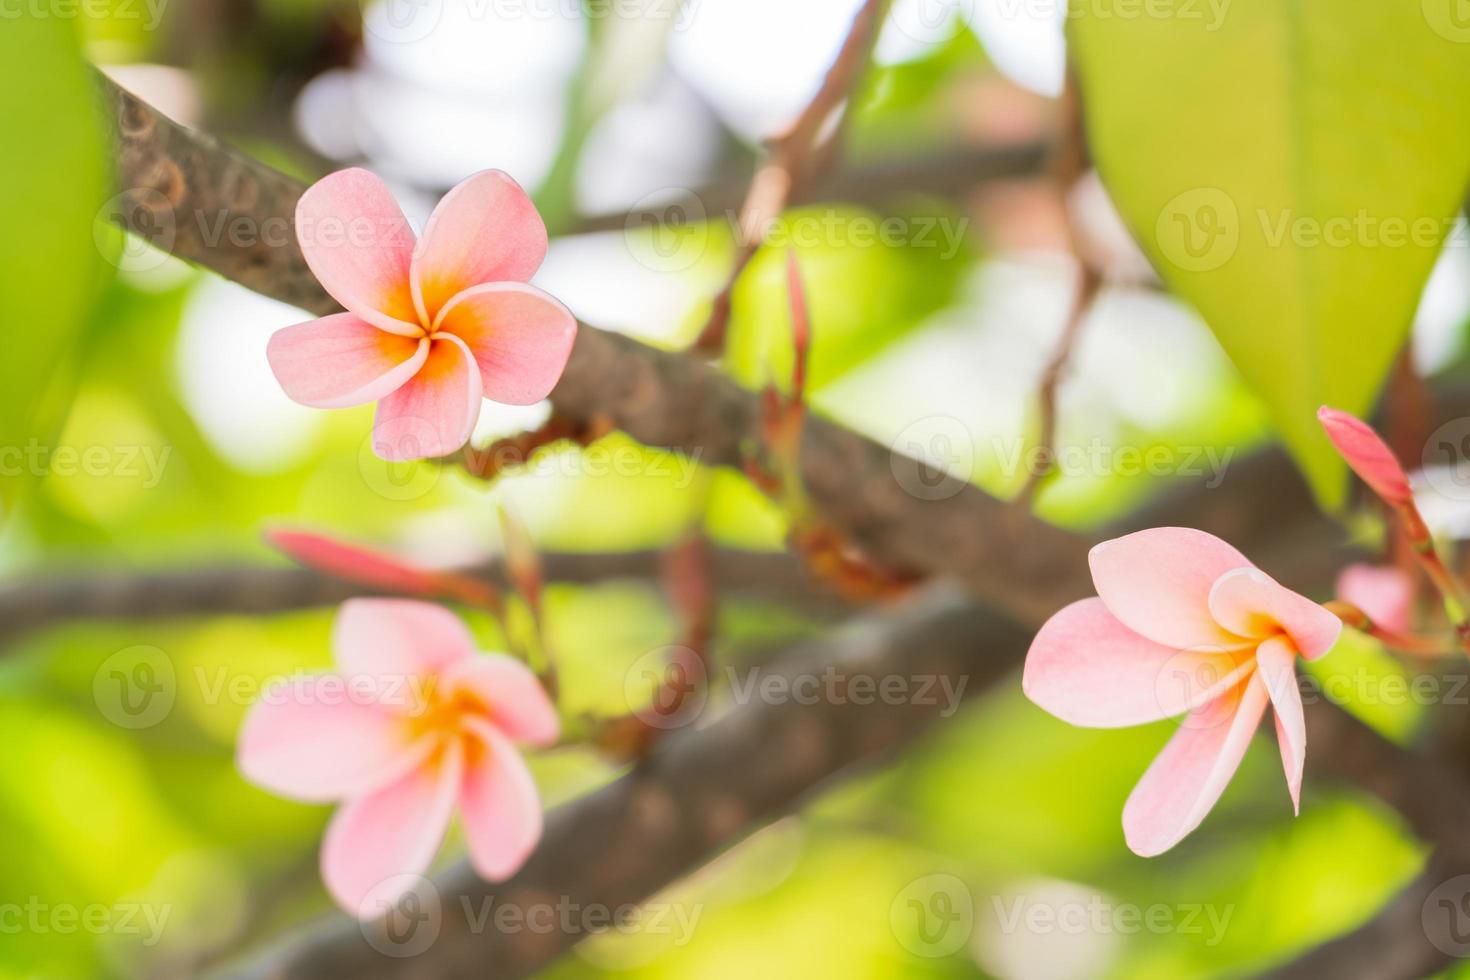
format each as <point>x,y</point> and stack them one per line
<point>53,166</point>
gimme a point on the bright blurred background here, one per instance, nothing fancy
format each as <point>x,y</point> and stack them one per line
<point>932,342</point>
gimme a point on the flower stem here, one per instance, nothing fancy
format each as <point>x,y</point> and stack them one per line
<point>1415,645</point>
<point>1456,601</point>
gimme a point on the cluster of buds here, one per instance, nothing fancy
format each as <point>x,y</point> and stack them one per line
<point>775,467</point>
<point>1377,600</point>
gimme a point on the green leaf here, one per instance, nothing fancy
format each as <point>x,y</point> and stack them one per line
<point>53,180</point>
<point>1291,167</point>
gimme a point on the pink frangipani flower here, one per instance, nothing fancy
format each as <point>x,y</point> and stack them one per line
<point>432,325</point>
<point>1182,624</point>
<point>415,723</point>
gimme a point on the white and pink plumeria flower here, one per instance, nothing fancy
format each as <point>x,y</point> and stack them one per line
<point>1183,624</point>
<point>433,325</point>
<point>415,725</point>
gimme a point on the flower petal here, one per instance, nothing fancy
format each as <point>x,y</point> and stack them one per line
<point>1384,592</point>
<point>1088,669</point>
<point>313,739</point>
<point>1367,454</point>
<point>375,843</point>
<point>1277,661</point>
<point>434,413</point>
<point>1185,781</point>
<point>484,230</point>
<point>399,642</point>
<point>342,360</point>
<point>1157,582</point>
<point>513,698</point>
<point>1251,603</point>
<point>520,337</point>
<point>353,563</point>
<point>360,248</point>
<point>499,804</point>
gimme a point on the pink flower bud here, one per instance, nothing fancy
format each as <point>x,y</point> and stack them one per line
<point>1368,455</point>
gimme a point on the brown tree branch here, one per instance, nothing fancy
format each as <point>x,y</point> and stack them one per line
<point>181,186</point>
<point>120,595</point>
<point>950,174</point>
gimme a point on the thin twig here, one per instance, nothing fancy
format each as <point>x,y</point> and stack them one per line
<point>1068,167</point>
<point>795,157</point>
<point>1408,403</point>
